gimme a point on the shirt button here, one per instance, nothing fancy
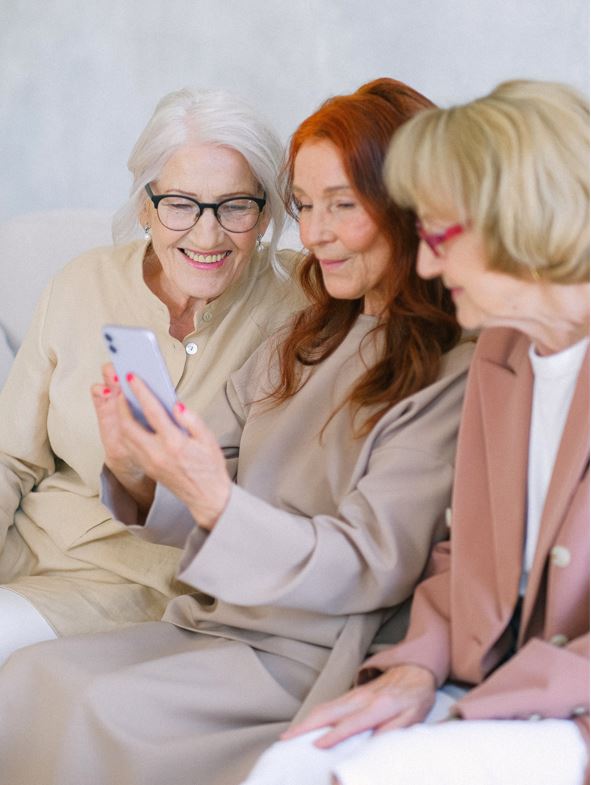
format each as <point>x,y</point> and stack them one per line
<point>560,556</point>
<point>207,316</point>
<point>559,640</point>
<point>191,348</point>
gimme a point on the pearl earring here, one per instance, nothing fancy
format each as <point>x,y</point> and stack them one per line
<point>147,233</point>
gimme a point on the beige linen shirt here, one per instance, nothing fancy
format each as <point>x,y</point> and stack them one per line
<point>59,545</point>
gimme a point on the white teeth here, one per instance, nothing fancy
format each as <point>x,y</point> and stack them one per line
<point>209,258</point>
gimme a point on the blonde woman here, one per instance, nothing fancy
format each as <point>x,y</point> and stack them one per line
<point>499,634</point>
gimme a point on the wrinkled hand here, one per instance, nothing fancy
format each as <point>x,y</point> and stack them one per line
<point>118,457</point>
<point>399,697</point>
<point>188,462</point>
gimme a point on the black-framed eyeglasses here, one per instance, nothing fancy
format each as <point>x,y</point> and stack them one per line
<point>180,213</point>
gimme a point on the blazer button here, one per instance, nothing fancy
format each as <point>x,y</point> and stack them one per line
<point>558,640</point>
<point>560,556</point>
<point>206,601</point>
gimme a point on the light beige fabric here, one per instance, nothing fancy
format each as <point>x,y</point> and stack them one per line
<point>289,589</point>
<point>59,546</point>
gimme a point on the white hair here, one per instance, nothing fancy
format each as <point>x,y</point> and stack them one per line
<point>211,117</point>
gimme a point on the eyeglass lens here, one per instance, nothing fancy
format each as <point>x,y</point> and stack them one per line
<point>434,240</point>
<point>235,215</point>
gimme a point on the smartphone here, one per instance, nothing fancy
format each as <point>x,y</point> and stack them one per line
<point>135,350</point>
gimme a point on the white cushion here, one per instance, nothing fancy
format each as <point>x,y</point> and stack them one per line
<point>33,247</point>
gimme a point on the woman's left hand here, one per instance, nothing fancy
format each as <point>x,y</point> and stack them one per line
<point>188,462</point>
<point>401,696</point>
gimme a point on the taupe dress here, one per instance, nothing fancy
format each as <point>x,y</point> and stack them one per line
<point>321,534</point>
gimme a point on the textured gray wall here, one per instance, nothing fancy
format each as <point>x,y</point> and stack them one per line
<point>79,78</point>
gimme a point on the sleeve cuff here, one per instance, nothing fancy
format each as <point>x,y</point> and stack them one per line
<point>168,522</point>
<point>114,496</point>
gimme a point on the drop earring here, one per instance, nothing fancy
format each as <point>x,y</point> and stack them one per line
<point>147,233</point>
<point>259,243</point>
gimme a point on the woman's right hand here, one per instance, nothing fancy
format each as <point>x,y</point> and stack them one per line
<point>401,696</point>
<point>117,456</point>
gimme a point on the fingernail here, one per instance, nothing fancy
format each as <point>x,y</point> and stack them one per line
<point>181,407</point>
<point>106,391</point>
<point>116,378</point>
<point>130,377</point>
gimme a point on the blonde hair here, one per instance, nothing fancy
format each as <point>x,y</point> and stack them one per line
<point>515,165</point>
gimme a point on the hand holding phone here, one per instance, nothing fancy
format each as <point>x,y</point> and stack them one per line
<point>135,350</point>
<point>163,456</point>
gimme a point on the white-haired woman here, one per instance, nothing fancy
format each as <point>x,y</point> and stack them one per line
<point>499,635</point>
<point>205,189</point>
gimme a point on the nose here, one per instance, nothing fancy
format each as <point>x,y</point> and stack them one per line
<point>428,264</point>
<point>315,228</point>
<point>207,231</point>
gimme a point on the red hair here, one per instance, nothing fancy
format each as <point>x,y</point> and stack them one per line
<point>419,324</point>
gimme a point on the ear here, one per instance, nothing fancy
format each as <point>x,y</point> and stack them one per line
<point>264,220</point>
<point>144,214</point>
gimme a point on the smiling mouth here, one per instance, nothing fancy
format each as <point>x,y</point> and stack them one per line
<point>330,262</point>
<point>205,258</point>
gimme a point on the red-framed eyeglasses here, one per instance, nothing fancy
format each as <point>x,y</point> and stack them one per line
<point>435,239</point>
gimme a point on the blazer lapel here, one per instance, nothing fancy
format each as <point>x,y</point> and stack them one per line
<point>571,461</point>
<point>506,405</point>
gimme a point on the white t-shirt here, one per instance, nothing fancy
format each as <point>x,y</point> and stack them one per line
<point>555,378</point>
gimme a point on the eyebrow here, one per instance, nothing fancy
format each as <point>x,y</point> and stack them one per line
<point>192,195</point>
<point>330,190</point>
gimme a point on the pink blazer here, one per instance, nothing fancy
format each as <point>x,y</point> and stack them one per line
<point>459,617</point>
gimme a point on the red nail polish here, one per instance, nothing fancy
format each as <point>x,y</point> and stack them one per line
<point>181,407</point>
<point>115,378</point>
<point>130,377</point>
<point>106,391</point>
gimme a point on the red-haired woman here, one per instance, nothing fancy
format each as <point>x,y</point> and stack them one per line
<point>340,435</point>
